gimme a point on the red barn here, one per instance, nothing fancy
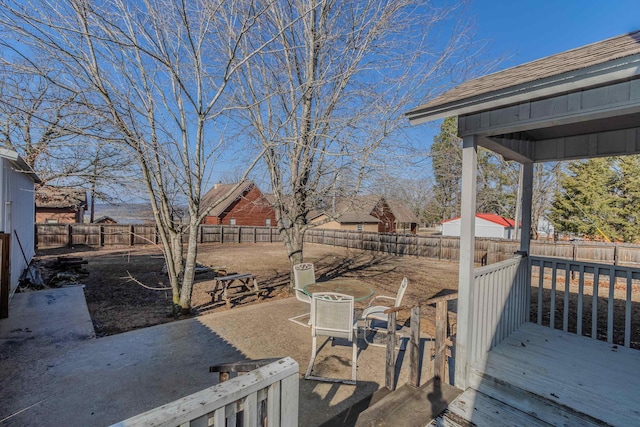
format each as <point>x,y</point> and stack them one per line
<point>246,205</point>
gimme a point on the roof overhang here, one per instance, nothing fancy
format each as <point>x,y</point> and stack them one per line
<point>619,70</point>
<point>19,163</point>
<point>578,104</point>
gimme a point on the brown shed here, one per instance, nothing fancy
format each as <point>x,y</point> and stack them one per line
<point>246,205</point>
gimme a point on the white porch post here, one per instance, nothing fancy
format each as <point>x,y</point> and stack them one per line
<point>467,246</point>
<point>527,196</point>
<point>525,233</point>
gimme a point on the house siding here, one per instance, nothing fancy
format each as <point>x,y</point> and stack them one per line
<point>252,209</point>
<point>18,211</point>
<point>61,215</point>
<point>484,228</point>
<point>387,222</point>
<point>335,225</point>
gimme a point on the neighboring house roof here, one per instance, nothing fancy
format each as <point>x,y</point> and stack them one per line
<point>224,195</point>
<point>105,218</point>
<point>19,163</point>
<point>534,75</point>
<point>351,210</point>
<point>52,197</point>
<point>402,212</point>
<point>500,220</point>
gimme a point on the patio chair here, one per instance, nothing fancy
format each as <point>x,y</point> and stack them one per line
<point>375,319</point>
<point>332,317</point>
<point>303,275</point>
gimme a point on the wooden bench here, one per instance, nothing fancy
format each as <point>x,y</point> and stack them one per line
<point>247,284</point>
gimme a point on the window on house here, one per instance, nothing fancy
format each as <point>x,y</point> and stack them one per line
<point>232,221</point>
<point>267,222</point>
<point>359,227</point>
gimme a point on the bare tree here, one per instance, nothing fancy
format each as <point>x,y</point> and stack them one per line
<point>326,95</point>
<point>158,72</point>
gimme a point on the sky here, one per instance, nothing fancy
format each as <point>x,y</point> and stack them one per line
<point>521,31</point>
<point>528,30</point>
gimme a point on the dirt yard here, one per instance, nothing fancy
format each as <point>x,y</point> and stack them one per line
<point>118,304</point>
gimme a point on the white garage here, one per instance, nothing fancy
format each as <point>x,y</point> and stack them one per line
<point>487,225</point>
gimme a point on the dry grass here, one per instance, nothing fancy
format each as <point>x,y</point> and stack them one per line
<point>117,304</point>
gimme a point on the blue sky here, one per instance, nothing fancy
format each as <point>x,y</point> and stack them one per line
<point>527,30</point>
<point>522,31</point>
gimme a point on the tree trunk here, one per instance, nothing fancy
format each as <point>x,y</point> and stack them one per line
<point>189,267</point>
<point>294,243</point>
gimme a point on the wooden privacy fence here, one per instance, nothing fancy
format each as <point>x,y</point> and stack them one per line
<point>487,251</point>
<point>61,235</point>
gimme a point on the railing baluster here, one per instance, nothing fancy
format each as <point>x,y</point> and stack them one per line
<point>594,303</point>
<point>612,284</point>
<point>552,309</point>
<point>627,310</point>
<point>580,302</point>
<point>389,377</point>
<point>414,348</point>
<point>565,310</point>
<point>540,291</point>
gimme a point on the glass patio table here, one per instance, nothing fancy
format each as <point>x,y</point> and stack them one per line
<point>356,289</point>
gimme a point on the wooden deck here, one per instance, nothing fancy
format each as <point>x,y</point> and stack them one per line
<point>556,377</point>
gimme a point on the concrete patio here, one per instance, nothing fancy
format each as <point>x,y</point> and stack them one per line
<point>55,372</point>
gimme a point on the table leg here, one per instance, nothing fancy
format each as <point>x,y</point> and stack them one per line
<point>225,295</point>
<point>257,289</point>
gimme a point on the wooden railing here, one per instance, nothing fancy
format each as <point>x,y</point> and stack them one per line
<point>265,396</point>
<point>437,356</point>
<point>591,288</point>
<point>500,304</point>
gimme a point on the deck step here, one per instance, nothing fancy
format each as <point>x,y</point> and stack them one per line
<point>473,408</point>
<point>494,396</point>
<point>409,406</point>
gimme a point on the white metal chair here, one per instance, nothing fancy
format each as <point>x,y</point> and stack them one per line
<point>303,275</point>
<point>332,317</point>
<point>375,319</point>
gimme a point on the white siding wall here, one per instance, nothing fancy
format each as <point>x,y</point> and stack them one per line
<point>484,228</point>
<point>17,212</point>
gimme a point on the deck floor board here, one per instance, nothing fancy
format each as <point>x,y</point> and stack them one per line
<point>592,377</point>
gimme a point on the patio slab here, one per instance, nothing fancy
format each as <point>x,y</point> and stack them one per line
<point>58,373</point>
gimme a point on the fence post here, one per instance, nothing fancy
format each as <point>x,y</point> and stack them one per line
<point>441,337</point>
<point>239,234</point>
<point>615,254</point>
<point>36,238</point>
<point>201,232</point>
<point>131,235</point>
<point>440,250</point>
<point>221,228</point>
<point>389,377</point>
<point>414,348</point>
<point>101,242</point>
<point>69,236</point>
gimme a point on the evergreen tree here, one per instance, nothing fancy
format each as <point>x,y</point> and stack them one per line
<point>628,191</point>
<point>446,154</point>
<point>587,203</point>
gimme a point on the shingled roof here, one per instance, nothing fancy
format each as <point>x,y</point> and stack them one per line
<point>51,197</point>
<point>349,210</point>
<point>522,77</point>
<point>222,194</point>
<point>402,212</point>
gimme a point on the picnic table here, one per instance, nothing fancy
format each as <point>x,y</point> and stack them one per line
<point>243,285</point>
